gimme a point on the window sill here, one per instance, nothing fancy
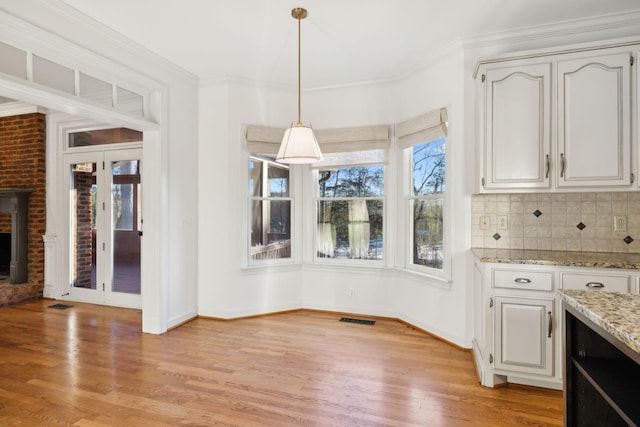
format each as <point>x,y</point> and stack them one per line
<point>269,268</point>
<point>443,282</point>
<point>379,267</point>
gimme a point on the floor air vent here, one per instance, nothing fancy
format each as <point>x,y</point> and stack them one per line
<point>60,306</point>
<point>359,321</point>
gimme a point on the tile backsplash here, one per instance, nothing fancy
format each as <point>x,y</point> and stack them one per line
<point>558,221</point>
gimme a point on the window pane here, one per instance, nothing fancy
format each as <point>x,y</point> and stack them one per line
<point>364,181</point>
<point>14,61</point>
<point>255,174</point>
<point>124,191</point>
<point>270,229</point>
<point>104,136</point>
<point>278,181</point>
<point>54,75</point>
<point>96,90</point>
<point>350,229</point>
<point>429,168</point>
<point>427,232</point>
<point>129,102</point>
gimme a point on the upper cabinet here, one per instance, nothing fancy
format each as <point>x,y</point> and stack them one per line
<point>557,122</point>
<point>517,126</point>
<point>594,121</point>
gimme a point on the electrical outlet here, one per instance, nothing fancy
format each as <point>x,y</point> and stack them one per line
<point>620,223</point>
<point>350,292</point>
<point>485,221</point>
<point>503,222</point>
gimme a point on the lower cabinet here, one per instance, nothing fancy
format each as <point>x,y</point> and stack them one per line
<point>524,334</point>
<point>518,328</point>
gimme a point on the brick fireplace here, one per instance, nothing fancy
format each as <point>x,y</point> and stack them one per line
<point>22,167</point>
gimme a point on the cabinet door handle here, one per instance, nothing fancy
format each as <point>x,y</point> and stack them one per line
<point>546,173</point>
<point>550,322</point>
<point>594,285</point>
<point>522,280</point>
<point>561,165</point>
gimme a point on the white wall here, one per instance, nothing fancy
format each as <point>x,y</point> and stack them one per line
<point>227,290</point>
<point>170,154</point>
<point>443,309</point>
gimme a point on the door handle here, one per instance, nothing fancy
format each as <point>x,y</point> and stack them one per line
<point>139,233</point>
<point>550,319</point>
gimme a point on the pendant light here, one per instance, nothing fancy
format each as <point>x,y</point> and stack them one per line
<point>299,144</point>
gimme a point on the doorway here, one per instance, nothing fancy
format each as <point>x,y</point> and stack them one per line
<point>105,226</point>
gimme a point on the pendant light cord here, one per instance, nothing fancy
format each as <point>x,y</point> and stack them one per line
<point>299,73</point>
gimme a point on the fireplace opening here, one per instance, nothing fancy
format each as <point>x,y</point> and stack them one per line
<point>5,254</point>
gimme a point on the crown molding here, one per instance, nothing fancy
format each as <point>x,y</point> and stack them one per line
<point>617,25</point>
<point>18,108</point>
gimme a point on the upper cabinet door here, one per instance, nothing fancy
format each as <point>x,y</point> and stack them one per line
<point>517,114</point>
<point>594,121</point>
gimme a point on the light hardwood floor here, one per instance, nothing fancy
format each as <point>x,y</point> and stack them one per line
<point>91,366</point>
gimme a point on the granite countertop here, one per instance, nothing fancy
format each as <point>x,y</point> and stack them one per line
<point>561,258</point>
<point>616,313</point>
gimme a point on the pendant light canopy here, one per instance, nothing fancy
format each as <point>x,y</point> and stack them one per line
<point>299,144</point>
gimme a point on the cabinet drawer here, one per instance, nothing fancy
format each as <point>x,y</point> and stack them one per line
<point>602,282</point>
<point>529,280</point>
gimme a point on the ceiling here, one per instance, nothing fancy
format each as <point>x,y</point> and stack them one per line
<point>343,42</point>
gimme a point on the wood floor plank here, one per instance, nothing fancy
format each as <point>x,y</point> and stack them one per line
<point>91,366</point>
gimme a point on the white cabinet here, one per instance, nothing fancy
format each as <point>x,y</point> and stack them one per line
<point>594,121</point>
<point>517,331</point>
<point>557,121</point>
<point>517,114</point>
<point>518,338</point>
<point>524,334</point>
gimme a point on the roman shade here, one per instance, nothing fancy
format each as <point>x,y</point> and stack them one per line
<point>424,128</point>
<point>344,146</point>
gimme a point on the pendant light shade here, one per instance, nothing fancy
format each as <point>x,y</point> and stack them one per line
<point>299,144</point>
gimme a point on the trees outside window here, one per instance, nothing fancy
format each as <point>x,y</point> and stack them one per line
<point>426,202</point>
<point>350,209</point>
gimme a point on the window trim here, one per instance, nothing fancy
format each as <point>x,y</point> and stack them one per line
<point>248,261</point>
<point>348,262</point>
<point>444,274</point>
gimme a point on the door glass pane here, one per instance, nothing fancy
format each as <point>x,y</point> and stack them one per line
<point>125,203</point>
<point>84,191</point>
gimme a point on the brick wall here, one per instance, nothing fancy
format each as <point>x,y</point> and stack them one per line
<point>83,241</point>
<point>5,220</point>
<point>22,165</point>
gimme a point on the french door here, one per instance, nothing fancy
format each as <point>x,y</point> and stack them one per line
<point>105,226</point>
